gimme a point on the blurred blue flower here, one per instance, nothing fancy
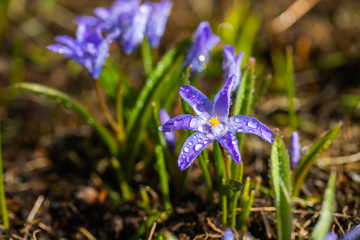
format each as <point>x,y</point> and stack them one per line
<point>331,236</point>
<point>353,234</point>
<point>170,137</point>
<point>156,24</point>
<point>232,64</point>
<point>294,149</point>
<point>213,123</point>
<point>204,41</point>
<point>228,234</point>
<point>89,49</point>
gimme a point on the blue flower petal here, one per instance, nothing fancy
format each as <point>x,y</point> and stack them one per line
<point>197,100</point>
<point>191,149</point>
<point>183,121</point>
<point>232,65</point>
<point>228,234</point>
<point>204,41</point>
<point>230,143</point>
<point>222,100</point>
<point>157,21</point>
<point>294,149</point>
<point>134,36</point>
<point>246,124</point>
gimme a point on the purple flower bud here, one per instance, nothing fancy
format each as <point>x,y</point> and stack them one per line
<point>170,137</point>
<point>90,49</point>
<point>294,150</point>
<point>353,234</point>
<point>228,234</point>
<point>204,41</point>
<point>331,236</point>
<point>213,123</point>
<point>232,64</point>
<point>157,21</point>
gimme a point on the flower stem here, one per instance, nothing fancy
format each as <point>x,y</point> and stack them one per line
<point>119,104</point>
<point>124,187</point>
<point>207,177</point>
<point>4,212</point>
<point>104,106</point>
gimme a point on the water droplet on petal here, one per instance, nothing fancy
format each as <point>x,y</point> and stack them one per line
<point>201,128</point>
<point>252,124</point>
<point>190,143</point>
<point>186,149</point>
<point>198,147</point>
<point>234,142</point>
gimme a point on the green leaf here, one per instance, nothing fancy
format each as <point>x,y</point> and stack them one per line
<point>147,56</point>
<point>322,227</point>
<point>245,91</point>
<point>109,78</point>
<point>290,87</point>
<point>247,36</point>
<point>308,161</point>
<point>280,181</point>
<point>244,202</point>
<point>72,104</point>
<point>144,99</point>
<point>4,8</point>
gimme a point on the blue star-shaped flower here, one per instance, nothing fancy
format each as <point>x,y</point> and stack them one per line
<point>89,49</point>
<point>204,41</point>
<point>232,64</point>
<point>157,21</point>
<point>213,123</point>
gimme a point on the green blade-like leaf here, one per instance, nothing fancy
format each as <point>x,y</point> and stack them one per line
<point>247,36</point>
<point>147,56</point>
<point>152,82</point>
<point>244,202</point>
<point>322,227</point>
<point>280,179</point>
<point>308,161</point>
<point>290,87</point>
<point>4,211</point>
<point>4,8</point>
<point>109,78</point>
<point>71,103</point>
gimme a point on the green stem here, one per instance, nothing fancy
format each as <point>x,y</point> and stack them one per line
<point>119,105</point>
<point>207,177</point>
<point>4,211</point>
<point>124,187</point>
<point>104,106</point>
<point>164,183</point>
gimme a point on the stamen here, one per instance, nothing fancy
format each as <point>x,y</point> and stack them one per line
<point>214,121</point>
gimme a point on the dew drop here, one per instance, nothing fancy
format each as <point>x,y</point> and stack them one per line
<point>193,123</point>
<point>234,142</point>
<point>206,142</point>
<point>186,149</point>
<point>201,128</point>
<point>190,143</point>
<point>198,147</point>
<point>68,104</point>
<point>160,128</point>
<point>90,121</point>
<point>252,124</point>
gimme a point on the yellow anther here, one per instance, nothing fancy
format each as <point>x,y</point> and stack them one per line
<point>214,121</point>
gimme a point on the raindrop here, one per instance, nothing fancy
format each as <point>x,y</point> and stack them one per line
<point>206,142</point>
<point>201,128</point>
<point>68,104</point>
<point>186,149</point>
<point>252,124</point>
<point>198,147</point>
<point>193,123</point>
<point>234,142</point>
<point>160,128</point>
<point>90,121</point>
<point>190,143</point>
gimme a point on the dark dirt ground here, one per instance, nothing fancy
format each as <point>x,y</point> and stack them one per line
<point>52,159</point>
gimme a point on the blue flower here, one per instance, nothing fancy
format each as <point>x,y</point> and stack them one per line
<point>204,41</point>
<point>89,49</point>
<point>331,236</point>
<point>353,234</point>
<point>232,64</point>
<point>228,234</point>
<point>128,17</point>
<point>213,123</point>
<point>170,137</point>
<point>294,149</point>
<point>157,21</point>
